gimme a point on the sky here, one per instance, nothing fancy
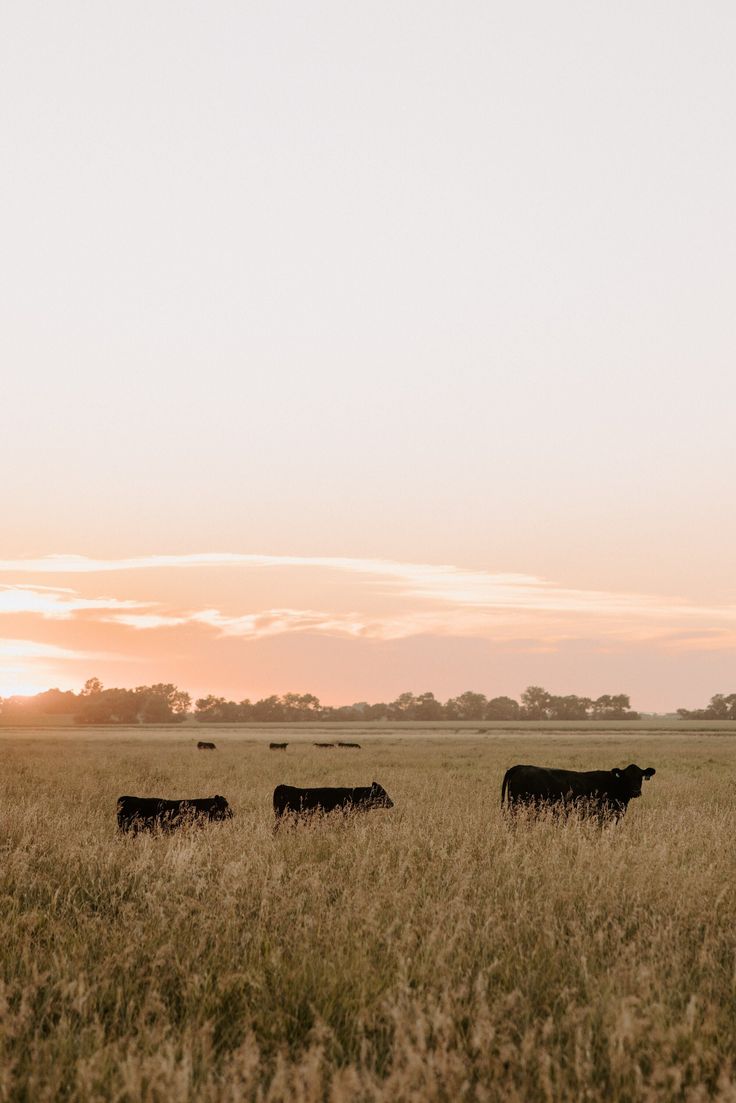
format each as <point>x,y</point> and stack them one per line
<point>356,349</point>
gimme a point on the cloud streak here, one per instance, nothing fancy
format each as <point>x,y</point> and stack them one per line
<point>33,649</point>
<point>55,603</point>
<point>414,599</point>
<point>441,583</point>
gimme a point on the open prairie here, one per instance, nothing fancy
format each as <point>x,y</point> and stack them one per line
<point>430,952</point>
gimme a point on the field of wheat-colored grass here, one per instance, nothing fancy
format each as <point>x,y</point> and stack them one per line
<point>430,952</point>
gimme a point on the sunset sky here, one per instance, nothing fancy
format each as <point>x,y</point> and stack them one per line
<point>355,349</point>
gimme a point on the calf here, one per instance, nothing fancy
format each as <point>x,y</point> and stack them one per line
<point>602,792</point>
<point>147,813</point>
<point>290,799</point>
<point>206,746</point>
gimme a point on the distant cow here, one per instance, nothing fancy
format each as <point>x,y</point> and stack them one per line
<point>602,792</point>
<point>206,746</point>
<point>289,799</point>
<point>278,746</point>
<point>356,745</point>
<point>147,813</point>
<point>324,744</point>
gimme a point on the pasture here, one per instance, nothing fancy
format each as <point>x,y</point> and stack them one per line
<point>425,953</point>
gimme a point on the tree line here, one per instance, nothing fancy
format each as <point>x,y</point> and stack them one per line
<point>722,706</point>
<point>164,703</point>
<point>535,704</point>
<point>158,704</point>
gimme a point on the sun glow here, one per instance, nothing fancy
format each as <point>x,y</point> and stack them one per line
<point>18,681</point>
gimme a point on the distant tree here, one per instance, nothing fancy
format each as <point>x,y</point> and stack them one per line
<point>157,704</point>
<point>92,685</point>
<point>468,706</point>
<point>721,707</point>
<point>300,706</point>
<point>51,702</point>
<point>162,703</point>
<point>268,709</point>
<point>427,707</point>
<point>208,709</point>
<point>109,706</point>
<point>245,709</point>
<point>502,708</point>
<point>360,710</point>
<point>216,710</point>
<point>535,703</point>
<point>379,711</point>
<point>569,707</point>
<point>403,707</point>
<point>341,712</point>
<point>613,707</point>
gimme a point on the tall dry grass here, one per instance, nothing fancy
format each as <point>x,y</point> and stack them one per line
<point>425,953</point>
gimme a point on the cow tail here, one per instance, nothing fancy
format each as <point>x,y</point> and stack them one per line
<point>504,787</point>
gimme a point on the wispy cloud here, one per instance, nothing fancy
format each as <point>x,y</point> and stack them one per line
<point>392,600</point>
<point>143,621</point>
<point>33,649</point>
<point>441,583</point>
<point>55,603</point>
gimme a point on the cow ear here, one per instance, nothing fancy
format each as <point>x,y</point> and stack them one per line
<point>616,772</point>
<point>649,772</point>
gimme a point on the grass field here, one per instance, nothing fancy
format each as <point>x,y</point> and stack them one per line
<point>429,952</point>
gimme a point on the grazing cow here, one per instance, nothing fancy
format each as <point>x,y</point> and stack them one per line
<point>206,746</point>
<point>356,745</point>
<point>602,792</point>
<point>290,799</point>
<point>324,744</point>
<point>278,746</point>
<point>147,813</point>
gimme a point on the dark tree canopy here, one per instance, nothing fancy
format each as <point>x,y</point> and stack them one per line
<point>164,703</point>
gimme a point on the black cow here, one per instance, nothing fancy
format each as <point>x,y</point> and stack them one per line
<point>324,744</point>
<point>147,813</point>
<point>278,746</point>
<point>290,799</point>
<point>356,745</point>
<point>206,746</point>
<point>601,792</point>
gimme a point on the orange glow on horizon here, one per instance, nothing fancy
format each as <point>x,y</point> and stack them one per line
<point>353,628</point>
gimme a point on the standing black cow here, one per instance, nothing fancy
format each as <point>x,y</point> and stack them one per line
<point>290,799</point>
<point>147,813</point>
<point>601,792</point>
<point>278,746</point>
<point>324,744</point>
<point>356,745</point>
<point>201,746</point>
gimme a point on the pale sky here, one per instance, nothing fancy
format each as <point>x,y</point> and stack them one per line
<point>442,287</point>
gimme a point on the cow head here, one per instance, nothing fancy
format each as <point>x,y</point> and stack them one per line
<point>379,796</point>
<point>628,781</point>
<point>221,810</point>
